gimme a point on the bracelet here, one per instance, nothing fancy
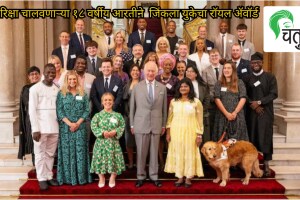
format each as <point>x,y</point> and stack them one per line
<point>199,136</point>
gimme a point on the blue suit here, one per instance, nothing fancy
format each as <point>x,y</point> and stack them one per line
<point>149,44</point>
<point>75,43</point>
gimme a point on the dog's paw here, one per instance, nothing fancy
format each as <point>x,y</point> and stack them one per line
<point>223,184</point>
<point>245,181</point>
<point>216,180</point>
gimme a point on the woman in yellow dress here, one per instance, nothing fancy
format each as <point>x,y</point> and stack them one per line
<point>184,134</point>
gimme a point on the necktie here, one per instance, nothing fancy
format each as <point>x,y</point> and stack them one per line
<point>223,47</point>
<point>150,94</point>
<point>81,42</point>
<point>65,55</point>
<point>108,40</point>
<point>94,64</point>
<point>137,62</point>
<point>217,73</point>
<point>142,38</point>
<point>106,84</point>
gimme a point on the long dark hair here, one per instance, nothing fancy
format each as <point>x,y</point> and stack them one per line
<point>199,78</point>
<point>191,94</point>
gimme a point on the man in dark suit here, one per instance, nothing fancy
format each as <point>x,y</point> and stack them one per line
<point>79,38</point>
<point>138,52</point>
<point>143,37</point>
<point>66,53</point>
<point>93,61</point>
<point>242,66</point>
<point>202,31</point>
<point>183,50</point>
<point>106,83</point>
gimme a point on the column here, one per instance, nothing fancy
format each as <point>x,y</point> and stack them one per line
<point>213,24</point>
<point>278,69</point>
<point>7,83</point>
<point>59,23</point>
<point>235,21</point>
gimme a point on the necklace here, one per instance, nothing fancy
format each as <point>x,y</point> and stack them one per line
<point>165,80</point>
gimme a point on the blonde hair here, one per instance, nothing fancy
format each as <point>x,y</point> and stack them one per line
<point>162,38</point>
<point>124,47</point>
<point>65,87</point>
<point>54,57</point>
<point>107,94</point>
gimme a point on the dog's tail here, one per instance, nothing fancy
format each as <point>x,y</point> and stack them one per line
<point>256,170</point>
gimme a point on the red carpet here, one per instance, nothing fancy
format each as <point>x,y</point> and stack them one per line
<point>259,188</point>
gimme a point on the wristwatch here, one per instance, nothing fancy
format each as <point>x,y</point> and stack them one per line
<point>259,102</point>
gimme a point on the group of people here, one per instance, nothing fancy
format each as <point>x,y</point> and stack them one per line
<point>161,97</point>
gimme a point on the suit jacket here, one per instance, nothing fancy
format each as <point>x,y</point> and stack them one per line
<point>128,64</point>
<point>244,70</point>
<point>90,68</point>
<point>74,41</point>
<point>189,63</point>
<point>149,44</point>
<point>209,76</point>
<point>103,46</point>
<point>248,50</point>
<point>229,42</point>
<point>72,54</point>
<point>204,61</point>
<point>209,46</point>
<point>147,117</point>
<point>115,87</point>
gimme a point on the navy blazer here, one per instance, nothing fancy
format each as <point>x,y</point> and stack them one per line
<point>128,64</point>
<point>115,87</point>
<point>72,54</point>
<point>209,46</point>
<point>149,44</point>
<point>74,41</point>
<point>244,70</point>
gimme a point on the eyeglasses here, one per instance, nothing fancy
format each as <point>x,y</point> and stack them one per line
<point>189,71</point>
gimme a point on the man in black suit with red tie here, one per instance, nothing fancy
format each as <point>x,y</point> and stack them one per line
<point>66,53</point>
<point>143,37</point>
<point>106,83</point>
<point>78,38</point>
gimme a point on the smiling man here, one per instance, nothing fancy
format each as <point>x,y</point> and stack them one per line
<point>78,38</point>
<point>42,113</point>
<point>262,91</point>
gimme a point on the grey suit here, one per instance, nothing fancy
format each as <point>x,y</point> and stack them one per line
<point>147,120</point>
<point>248,50</point>
<point>90,69</point>
<point>209,76</point>
<point>229,42</point>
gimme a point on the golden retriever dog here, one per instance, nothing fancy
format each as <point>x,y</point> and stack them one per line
<point>221,158</point>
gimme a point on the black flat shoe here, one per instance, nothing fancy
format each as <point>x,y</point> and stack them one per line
<point>52,182</point>
<point>157,183</point>
<point>187,185</point>
<point>43,185</point>
<point>179,183</point>
<point>139,183</point>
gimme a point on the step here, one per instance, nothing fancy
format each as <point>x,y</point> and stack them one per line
<point>10,188</point>
<point>14,173</point>
<point>286,148</point>
<point>292,186</point>
<point>9,148</point>
<point>11,160</point>
<point>279,138</point>
<point>275,129</point>
<point>285,160</point>
<point>286,172</point>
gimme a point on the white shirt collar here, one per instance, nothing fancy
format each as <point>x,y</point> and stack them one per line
<point>144,31</point>
<point>109,77</point>
<point>153,82</point>
<point>95,57</point>
<point>259,73</point>
<point>221,34</point>
<point>79,33</point>
<point>62,46</point>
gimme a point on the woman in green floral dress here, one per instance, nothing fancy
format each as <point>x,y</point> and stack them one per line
<point>72,105</point>
<point>108,127</point>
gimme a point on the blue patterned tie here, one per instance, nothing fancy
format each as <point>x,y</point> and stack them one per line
<point>150,92</point>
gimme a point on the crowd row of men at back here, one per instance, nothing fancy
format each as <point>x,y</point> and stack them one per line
<point>99,75</point>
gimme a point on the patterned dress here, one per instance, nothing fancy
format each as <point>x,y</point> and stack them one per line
<point>185,121</point>
<point>107,153</point>
<point>237,128</point>
<point>73,153</point>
